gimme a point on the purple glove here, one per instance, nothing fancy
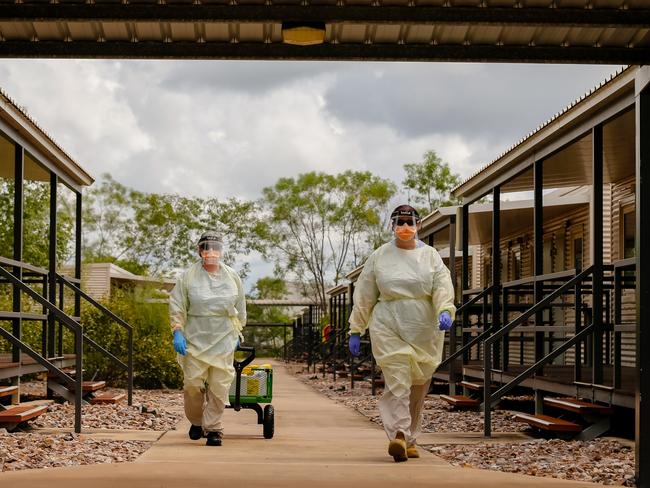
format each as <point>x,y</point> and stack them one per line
<point>355,344</point>
<point>445,320</point>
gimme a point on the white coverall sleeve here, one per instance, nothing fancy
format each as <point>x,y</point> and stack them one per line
<point>178,305</point>
<point>365,297</point>
<point>442,294</point>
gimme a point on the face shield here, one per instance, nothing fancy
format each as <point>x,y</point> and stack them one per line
<point>210,249</point>
<point>405,227</point>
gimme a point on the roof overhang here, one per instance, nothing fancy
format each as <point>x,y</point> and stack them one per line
<point>398,30</point>
<point>564,144</point>
<point>21,128</point>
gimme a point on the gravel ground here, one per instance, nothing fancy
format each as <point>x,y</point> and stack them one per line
<point>158,410</point>
<point>32,450</point>
<point>599,461</point>
<point>605,461</point>
<point>151,410</point>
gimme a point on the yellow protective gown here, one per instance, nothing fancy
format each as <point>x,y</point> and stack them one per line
<point>210,309</point>
<point>398,296</point>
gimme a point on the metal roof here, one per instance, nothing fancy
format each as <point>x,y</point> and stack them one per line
<point>611,31</point>
<point>20,126</point>
<point>571,165</point>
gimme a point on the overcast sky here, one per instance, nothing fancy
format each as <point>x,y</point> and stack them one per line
<point>225,129</point>
<point>230,128</point>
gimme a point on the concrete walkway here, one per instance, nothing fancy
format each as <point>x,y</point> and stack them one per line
<point>318,443</point>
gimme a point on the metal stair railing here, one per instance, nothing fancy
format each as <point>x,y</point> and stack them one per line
<point>475,340</point>
<point>128,366</point>
<point>490,399</point>
<point>76,328</point>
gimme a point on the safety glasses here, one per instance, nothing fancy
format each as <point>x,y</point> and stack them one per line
<point>211,246</point>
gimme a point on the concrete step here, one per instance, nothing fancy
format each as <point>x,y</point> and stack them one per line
<point>578,406</point>
<point>547,423</point>
<point>21,413</point>
<point>461,401</point>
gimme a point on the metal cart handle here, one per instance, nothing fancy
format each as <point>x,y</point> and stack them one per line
<point>239,367</point>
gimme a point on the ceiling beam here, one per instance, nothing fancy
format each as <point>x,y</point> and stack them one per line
<point>422,15</point>
<point>365,52</point>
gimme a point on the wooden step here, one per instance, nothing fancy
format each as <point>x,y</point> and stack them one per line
<point>545,422</point>
<point>578,406</point>
<point>472,385</point>
<point>89,386</point>
<point>109,398</point>
<point>21,413</point>
<point>69,371</point>
<point>461,401</point>
<point>8,390</point>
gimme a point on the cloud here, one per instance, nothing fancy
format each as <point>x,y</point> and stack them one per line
<point>226,129</point>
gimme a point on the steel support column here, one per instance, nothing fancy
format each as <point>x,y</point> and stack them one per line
<point>642,411</point>
<point>489,351</point>
<point>455,369</point>
<point>464,285</point>
<point>538,247</point>
<point>19,198</point>
<point>51,321</point>
<point>597,252</point>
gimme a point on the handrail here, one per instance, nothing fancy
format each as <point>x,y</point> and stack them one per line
<point>129,329</point>
<point>537,307</point>
<point>71,324</point>
<point>494,397</point>
<point>19,264</point>
<point>478,338</point>
<point>473,300</point>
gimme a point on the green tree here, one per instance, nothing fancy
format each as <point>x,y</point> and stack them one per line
<point>154,233</point>
<point>36,223</point>
<point>321,224</point>
<point>431,182</point>
<point>268,341</point>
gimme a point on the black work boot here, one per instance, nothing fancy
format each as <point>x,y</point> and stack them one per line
<point>214,439</point>
<point>196,432</point>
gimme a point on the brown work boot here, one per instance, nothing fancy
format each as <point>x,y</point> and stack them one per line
<point>412,452</point>
<point>397,448</point>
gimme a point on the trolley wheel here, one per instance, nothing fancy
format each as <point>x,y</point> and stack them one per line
<point>269,422</point>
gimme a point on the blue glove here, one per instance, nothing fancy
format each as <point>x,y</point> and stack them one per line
<point>445,320</point>
<point>238,344</point>
<point>180,346</point>
<point>355,344</point>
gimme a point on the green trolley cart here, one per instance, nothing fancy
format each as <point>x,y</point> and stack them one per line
<point>252,389</point>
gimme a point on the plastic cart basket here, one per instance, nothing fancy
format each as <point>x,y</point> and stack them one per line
<point>252,389</point>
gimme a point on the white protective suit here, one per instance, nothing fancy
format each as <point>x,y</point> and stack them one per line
<point>210,309</point>
<point>399,296</point>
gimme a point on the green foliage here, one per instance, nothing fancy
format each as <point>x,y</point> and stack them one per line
<point>321,224</point>
<point>268,341</point>
<point>431,180</point>
<point>154,359</point>
<point>36,222</point>
<point>155,233</point>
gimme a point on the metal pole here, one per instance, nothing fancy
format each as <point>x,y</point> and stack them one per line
<point>19,173</point>
<point>538,262</point>
<point>465,271</point>
<point>51,320</point>
<point>454,367</point>
<point>130,370</point>
<point>496,278</point>
<point>597,252</point>
<point>642,403</point>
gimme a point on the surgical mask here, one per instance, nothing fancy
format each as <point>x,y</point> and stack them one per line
<point>405,232</point>
<point>210,257</point>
